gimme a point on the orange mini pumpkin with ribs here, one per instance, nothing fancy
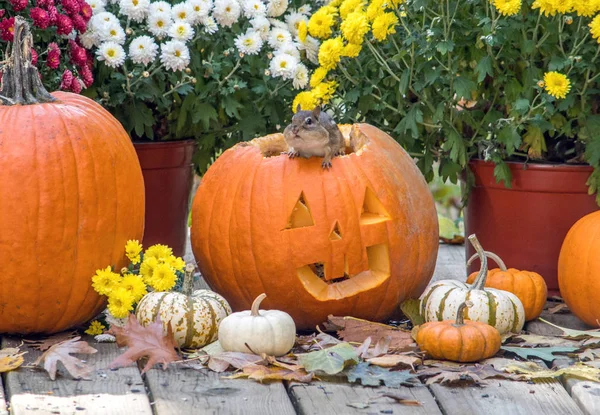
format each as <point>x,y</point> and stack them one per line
<point>353,240</point>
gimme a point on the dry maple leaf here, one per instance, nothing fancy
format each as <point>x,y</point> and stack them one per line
<point>48,342</point>
<point>356,330</point>
<point>263,373</point>
<point>221,362</point>
<point>395,360</point>
<point>62,352</point>
<point>143,341</point>
<point>10,359</point>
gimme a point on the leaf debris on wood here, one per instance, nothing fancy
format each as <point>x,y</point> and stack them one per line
<point>61,352</point>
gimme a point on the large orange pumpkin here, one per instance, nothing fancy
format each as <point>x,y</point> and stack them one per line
<point>579,269</point>
<point>354,240</point>
<point>71,194</point>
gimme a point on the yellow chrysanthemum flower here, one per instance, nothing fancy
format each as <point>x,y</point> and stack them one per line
<point>158,251</point>
<point>508,7</point>
<point>133,249</point>
<point>396,2</point>
<point>355,27</point>
<point>563,6</point>
<point>318,75</point>
<point>376,8</point>
<point>324,91</point>
<point>586,8</point>
<point>350,6</point>
<point>546,7</point>
<point>557,84</point>
<point>302,30</point>
<point>176,262</point>
<point>147,268</point>
<point>120,303</point>
<point>163,278</point>
<point>95,328</point>
<point>320,23</point>
<point>384,25</point>
<point>334,3</point>
<point>352,50</point>
<point>105,281</point>
<point>306,100</point>
<point>595,28</point>
<point>135,285</point>
<point>330,52</point>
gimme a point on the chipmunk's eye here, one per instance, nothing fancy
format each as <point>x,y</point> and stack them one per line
<point>308,121</point>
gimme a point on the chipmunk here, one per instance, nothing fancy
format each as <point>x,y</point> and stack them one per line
<point>314,133</point>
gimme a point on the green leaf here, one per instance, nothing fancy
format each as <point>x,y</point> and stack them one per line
<point>521,105</point>
<point>403,86</point>
<point>557,62</point>
<point>544,353</point>
<point>445,46</point>
<point>455,144</point>
<point>463,87</point>
<point>331,361</point>
<point>483,68</point>
<point>370,375</point>
<point>502,173</point>
<point>204,113</point>
<point>448,229</point>
<point>510,138</point>
<point>534,141</point>
<point>411,309</point>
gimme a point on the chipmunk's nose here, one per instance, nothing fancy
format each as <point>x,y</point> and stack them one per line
<point>295,129</point>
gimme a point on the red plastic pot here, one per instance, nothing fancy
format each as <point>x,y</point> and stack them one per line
<point>526,225</point>
<point>168,177</point>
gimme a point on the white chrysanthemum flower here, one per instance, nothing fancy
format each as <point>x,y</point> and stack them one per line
<point>249,43</point>
<point>289,48</point>
<point>311,46</point>
<point>105,338</point>
<point>262,25</point>
<point>304,9</point>
<point>210,25</point>
<point>143,50</point>
<point>278,24</point>
<point>181,30</point>
<point>136,10</point>
<point>89,39</point>
<point>279,37</point>
<point>102,18</point>
<point>111,53</point>
<point>293,21</point>
<point>300,77</point>
<point>98,6</point>
<point>227,12</point>
<point>200,9</point>
<point>175,55</point>
<point>111,32</point>
<point>182,12</point>
<point>113,321</point>
<point>160,7</point>
<point>159,23</point>
<point>283,65</point>
<point>276,8</point>
<point>254,8</point>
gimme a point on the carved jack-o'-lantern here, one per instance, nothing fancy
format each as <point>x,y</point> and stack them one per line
<point>355,240</point>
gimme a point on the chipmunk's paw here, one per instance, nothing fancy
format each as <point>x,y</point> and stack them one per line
<point>326,165</point>
<point>292,153</point>
<point>341,152</point>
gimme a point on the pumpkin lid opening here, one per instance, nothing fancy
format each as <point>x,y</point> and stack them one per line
<point>273,145</point>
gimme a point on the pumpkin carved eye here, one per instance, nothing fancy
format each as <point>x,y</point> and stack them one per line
<point>373,211</point>
<point>300,216</point>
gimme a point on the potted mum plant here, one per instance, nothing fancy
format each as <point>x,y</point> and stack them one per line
<point>195,75</point>
<point>502,93</point>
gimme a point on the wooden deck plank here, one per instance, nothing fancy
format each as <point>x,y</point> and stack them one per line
<point>115,392</point>
<point>3,406</point>
<point>182,390</point>
<point>450,263</point>
<point>332,398</point>
<point>585,394</point>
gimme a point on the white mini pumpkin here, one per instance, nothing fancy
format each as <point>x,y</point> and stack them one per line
<point>252,331</point>
<point>500,309</point>
<point>194,318</point>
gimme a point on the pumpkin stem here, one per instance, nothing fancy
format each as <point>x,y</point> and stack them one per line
<point>460,315</point>
<point>256,304</point>
<point>482,275</point>
<point>21,84</point>
<point>490,255</point>
<point>188,280</point>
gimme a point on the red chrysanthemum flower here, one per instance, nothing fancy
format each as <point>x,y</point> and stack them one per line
<point>52,15</point>
<point>67,80</point>
<point>79,23</point>
<point>64,24</point>
<point>86,12</point>
<point>78,54</point>
<point>44,3</point>
<point>34,57</point>
<point>76,85</point>
<point>86,75</point>
<point>2,12</point>
<point>18,5</point>
<point>40,17</point>
<point>53,60</point>
<point>71,6</point>
<point>7,29</point>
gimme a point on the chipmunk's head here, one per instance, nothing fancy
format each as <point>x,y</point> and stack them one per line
<point>306,121</point>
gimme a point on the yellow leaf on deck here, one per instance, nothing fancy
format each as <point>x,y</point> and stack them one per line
<point>10,359</point>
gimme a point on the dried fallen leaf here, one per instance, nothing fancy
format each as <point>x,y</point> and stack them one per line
<point>534,340</point>
<point>143,341</point>
<point>574,334</point>
<point>381,348</point>
<point>559,308</point>
<point>400,399</point>
<point>374,376</point>
<point>356,330</point>
<point>316,342</point>
<point>463,374</point>
<point>62,352</point>
<point>544,353</point>
<point>264,373</point>
<point>45,344</point>
<point>331,360</point>
<point>10,359</point>
<point>221,362</point>
<point>395,360</point>
<point>578,370</point>
<point>411,309</point>
<point>589,354</point>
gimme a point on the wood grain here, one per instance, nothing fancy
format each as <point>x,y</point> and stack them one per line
<point>183,390</point>
<point>586,394</point>
<point>450,263</point>
<point>329,398</point>
<point>109,392</point>
<point>506,397</point>
<point>3,406</point>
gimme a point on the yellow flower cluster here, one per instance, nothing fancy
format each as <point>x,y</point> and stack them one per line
<point>158,270</point>
<point>508,7</point>
<point>95,328</point>
<point>584,8</point>
<point>557,84</point>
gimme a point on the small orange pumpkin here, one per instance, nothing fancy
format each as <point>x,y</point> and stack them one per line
<point>528,286</point>
<point>460,340</point>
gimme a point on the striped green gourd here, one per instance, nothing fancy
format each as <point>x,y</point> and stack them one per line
<point>194,316</point>
<point>500,309</point>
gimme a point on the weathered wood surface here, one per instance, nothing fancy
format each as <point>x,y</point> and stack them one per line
<point>329,398</point>
<point>585,394</point>
<point>3,400</point>
<point>108,392</point>
<point>183,390</point>
<point>451,263</point>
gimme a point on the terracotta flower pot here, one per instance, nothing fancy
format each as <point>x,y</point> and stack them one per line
<point>526,225</point>
<point>168,178</point>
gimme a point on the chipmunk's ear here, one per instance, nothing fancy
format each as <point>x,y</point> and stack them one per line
<point>299,108</point>
<point>317,112</point>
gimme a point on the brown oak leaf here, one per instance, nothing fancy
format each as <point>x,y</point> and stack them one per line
<point>353,329</point>
<point>263,373</point>
<point>221,362</point>
<point>62,352</point>
<point>143,341</point>
<point>48,342</point>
